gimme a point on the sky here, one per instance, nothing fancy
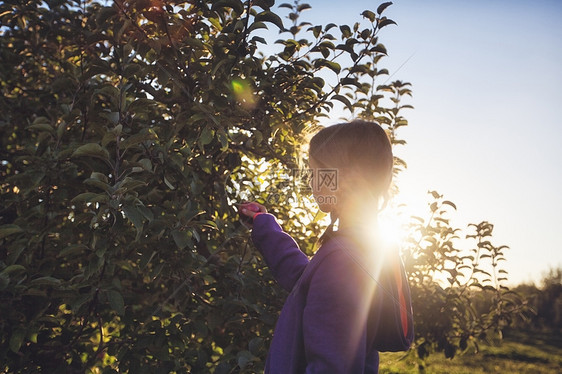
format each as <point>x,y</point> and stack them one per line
<point>486,131</point>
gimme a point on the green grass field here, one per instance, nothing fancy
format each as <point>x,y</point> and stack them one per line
<point>519,352</point>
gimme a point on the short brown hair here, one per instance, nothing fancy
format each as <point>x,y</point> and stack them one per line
<point>358,145</point>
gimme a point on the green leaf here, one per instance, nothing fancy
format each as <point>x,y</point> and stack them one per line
<point>6,230</point>
<point>109,91</point>
<point>244,358</point>
<point>133,214</point>
<point>97,183</point>
<point>45,281</point>
<point>267,16</point>
<point>316,30</point>
<point>385,22</point>
<point>369,15</point>
<point>206,136</point>
<point>222,136</point>
<point>91,150</point>
<point>99,176</point>
<point>4,281</point>
<point>345,31</point>
<point>236,5</point>
<point>257,25</point>
<point>111,135</point>
<point>146,212</point>
<point>111,117</point>
<point>32,336</point>
<point>255,346</point>
<point>146,164</point>
<point>90,197</point>
<point>72,250</point>
<point>181,238</point>
<point>76,303</point>
<point>334,66</point>
<point>141,105</point>
<point>136,139</point>
<point>380,48</point>
<point>344,100</point>
<point>12,269</point>
<point>130,184</point>
<point>217,23</point>
<point>41,127</point>
<point>116,301</point>
<point>16,340</point>
<point>347,81</point>
<point>264,4</point>
<point>383,6</point>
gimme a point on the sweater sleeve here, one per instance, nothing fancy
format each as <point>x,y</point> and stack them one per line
<point>281,253</point>
<point>335,317</point>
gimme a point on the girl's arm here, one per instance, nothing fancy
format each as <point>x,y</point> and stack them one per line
<point>280,251</point>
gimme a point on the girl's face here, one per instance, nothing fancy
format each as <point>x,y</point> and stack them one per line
<point>324,184</point>
<point>343,190</point>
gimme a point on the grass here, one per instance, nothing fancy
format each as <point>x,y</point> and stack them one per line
<point>519,352</point>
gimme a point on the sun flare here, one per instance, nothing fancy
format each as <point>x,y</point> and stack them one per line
<point>393,226</point>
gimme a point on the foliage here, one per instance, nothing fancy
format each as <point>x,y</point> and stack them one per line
<point>545,301</point>
<point>129,130</point>
<point>459,296</point>
<point>521,352</point>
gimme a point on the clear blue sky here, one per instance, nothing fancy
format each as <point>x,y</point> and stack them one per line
<point>487,129</point>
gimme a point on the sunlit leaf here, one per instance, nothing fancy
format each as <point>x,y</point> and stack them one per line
<point>268,16</point>
<point>382,7</point>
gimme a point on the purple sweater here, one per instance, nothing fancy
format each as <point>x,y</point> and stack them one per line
<point>327,322</point>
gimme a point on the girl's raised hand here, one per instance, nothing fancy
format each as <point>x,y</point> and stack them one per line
<point>249,210</point>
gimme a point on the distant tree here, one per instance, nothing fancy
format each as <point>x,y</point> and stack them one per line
<point>128,131</point>
<point>545,301</point>
<point>550,304</point>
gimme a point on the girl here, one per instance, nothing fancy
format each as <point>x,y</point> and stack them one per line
<point>351,300</point>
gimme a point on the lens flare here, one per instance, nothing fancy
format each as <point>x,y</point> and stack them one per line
<point>392,228</point>
<point>243,93</point>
